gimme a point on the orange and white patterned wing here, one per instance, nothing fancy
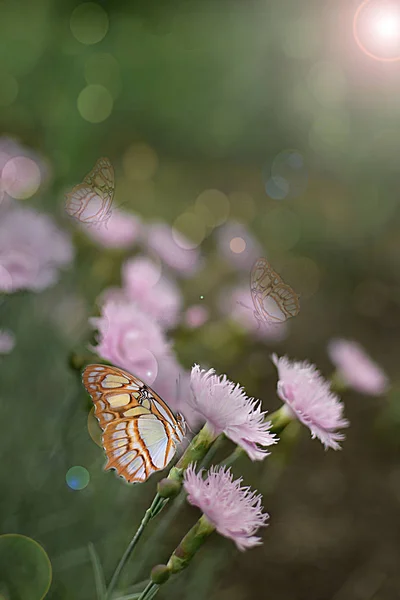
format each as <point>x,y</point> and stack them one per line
<point>138,426</point>
<point>114,392</point>
<point>274,301</point>
<point>139,446</point>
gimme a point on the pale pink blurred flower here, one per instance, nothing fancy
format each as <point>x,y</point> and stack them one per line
<point>309,398</point>
<point>236,302</point>
<point>236,512</point>
<point>129,338</point>
<point>160,240</point>
<point>226,408</point>
<point>196,315</point>
<point>7,341</point>
<point>154,293</point>
<point>22,170</point>
<point>32,249</point>
<point>122,230</point>
<point>356,368</point>
<point>235,236</point>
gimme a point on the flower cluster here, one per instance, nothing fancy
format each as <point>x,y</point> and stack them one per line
<point>32,249</point>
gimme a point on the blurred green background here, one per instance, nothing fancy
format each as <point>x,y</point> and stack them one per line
<point>211,93</point>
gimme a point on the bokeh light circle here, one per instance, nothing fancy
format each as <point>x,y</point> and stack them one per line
<point>237,245</point>
<point>189,225</point>
<point>89,23</point>
<point>21,177</point>
<point>94,428</point>
<point>287,177</point>
<point>25,568</point>
<point>216,204</point>
<point>77,478</point>
<point>376,29</point>
<point>95,103</point>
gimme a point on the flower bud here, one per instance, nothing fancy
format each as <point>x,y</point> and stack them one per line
<point>168,488</point>
<point>160,574</point>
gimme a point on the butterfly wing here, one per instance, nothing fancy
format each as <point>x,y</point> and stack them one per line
<point>139,446</point>
<point>274,301</point>
<point>86,205</point>
<point>140,432</point>
<point>90,202</point>
<point>101,177</point>
<point>114,392</point>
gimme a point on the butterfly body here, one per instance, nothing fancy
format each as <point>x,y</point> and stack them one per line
<point>140,432</point>
<point>274,301</point>
<point>90,202</point>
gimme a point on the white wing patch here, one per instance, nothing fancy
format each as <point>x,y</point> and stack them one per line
<point>155,438</point>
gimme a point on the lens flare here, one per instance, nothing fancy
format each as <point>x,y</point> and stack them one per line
<point>376,29</point>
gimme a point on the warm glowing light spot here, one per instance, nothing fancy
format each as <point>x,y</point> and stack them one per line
<point>376,29</point>
<point>95,103</point>
<point>140,162</point>
<point>20,177</point>
<point>77,478</point>
<point>89,23</point>
<point>237,245</point>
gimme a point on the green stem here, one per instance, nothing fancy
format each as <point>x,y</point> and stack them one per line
<point>173,511</point>
<point>149,591</point>
<point>125,557</point>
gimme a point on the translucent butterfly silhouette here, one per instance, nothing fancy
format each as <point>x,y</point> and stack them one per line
<point>274,301</point>
<point>140,432</point>
<point>90,202</point>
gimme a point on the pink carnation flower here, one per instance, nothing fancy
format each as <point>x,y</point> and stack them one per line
<point>160,240</point>
<point>152,292</point>
<point>232,237</point>
<point>129,338</point>
<point>32,249</point>
<point>309,398</point>
<point>227,409</point>
<point>7,341</point>
<point>122,230</point>
<point>237,303</point>
<point>356,368</point>
<point>235,511</point>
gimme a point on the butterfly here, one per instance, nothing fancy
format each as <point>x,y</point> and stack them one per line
<point>90,202</point>
<point>274,301</point>
<point>140,432</point>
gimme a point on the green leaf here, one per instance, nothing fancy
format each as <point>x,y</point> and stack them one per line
<point>98,573</point>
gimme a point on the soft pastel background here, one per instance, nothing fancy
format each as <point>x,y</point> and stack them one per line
<point>225,119</point>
